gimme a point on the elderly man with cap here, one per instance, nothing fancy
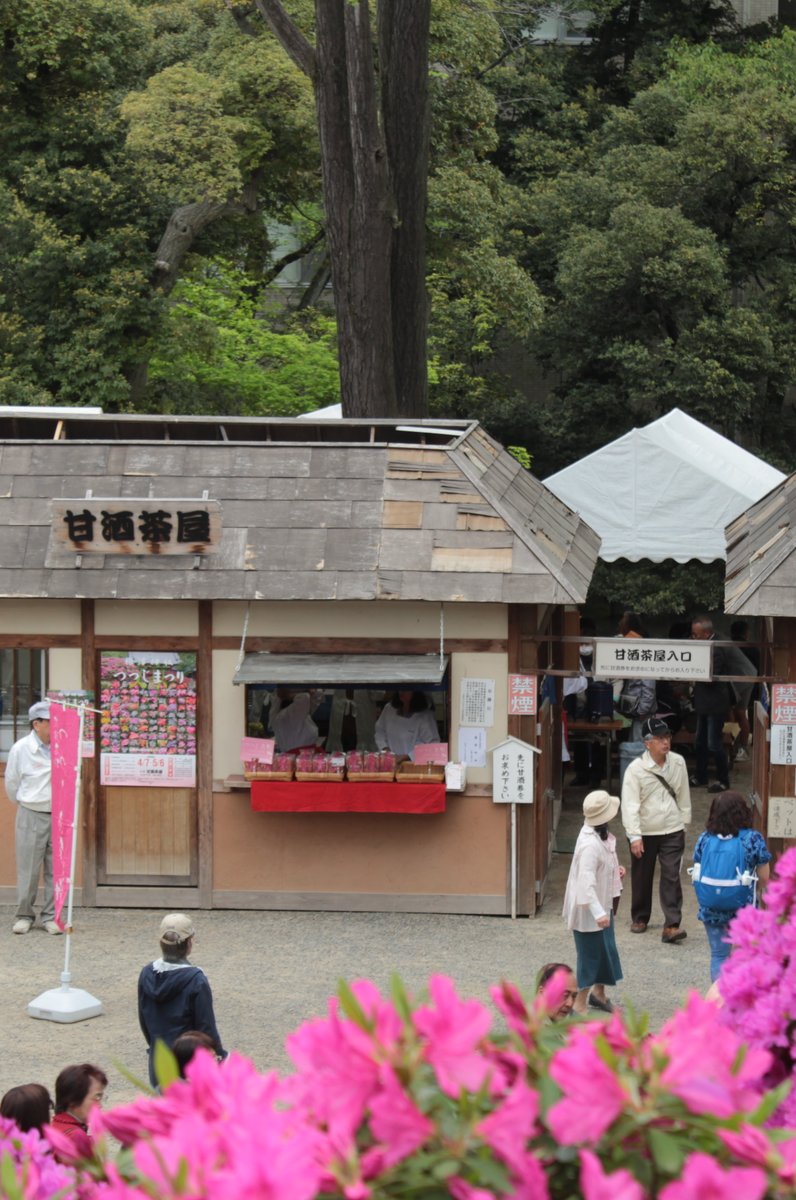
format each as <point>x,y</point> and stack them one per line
<point>174,997</point>
<point>656,807</point>
<point>29,786</point>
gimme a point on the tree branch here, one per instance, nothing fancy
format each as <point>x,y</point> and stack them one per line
<point>288,34</point>
<point>286,259</point>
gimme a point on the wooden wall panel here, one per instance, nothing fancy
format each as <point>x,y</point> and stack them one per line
<point>148,832</point>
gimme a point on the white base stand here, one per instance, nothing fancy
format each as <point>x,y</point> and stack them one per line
<point>65,1004</point>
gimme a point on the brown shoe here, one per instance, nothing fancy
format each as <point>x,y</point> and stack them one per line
<point>638,927</point>
<point>673,933</point>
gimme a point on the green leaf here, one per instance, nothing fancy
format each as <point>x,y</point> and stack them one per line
<point>399,997</point>
<point>352,1008</point>
<point>668,1151</point>
<point>164,1064</point>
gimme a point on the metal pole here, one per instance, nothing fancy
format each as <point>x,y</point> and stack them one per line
<point>66,978</point>
<point>513,861</point>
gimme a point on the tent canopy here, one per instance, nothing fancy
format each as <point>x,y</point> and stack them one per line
<point>665,491</point>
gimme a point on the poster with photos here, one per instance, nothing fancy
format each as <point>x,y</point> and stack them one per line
<point>148,724</point>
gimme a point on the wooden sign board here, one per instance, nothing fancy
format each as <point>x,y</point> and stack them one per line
<point>137,526</point>
<point>782,817</point>
<point>513,772</point>
<point>643,658</point>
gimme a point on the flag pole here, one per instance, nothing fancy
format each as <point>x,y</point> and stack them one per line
<point>67,1004</point>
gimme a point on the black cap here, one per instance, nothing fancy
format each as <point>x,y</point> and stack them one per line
<point>655,727</point>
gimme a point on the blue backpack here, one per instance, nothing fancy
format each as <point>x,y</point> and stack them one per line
<point>721,880</point>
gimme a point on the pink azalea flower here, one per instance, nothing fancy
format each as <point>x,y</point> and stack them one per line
<point>702,1054</point>
<point>452,1030</point>
<point>508,1129</point>
<point>750,1145</point>
<point>460,1189</point>
<point>509,1002</point>
<point>704,1179</point>
<point>396,1121</point>
<point>528,1180</point>
<point>593,1095</point>
<point>339,1062</point>
<point>597,1185</point>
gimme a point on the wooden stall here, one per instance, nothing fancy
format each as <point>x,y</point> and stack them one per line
<point>761,583</point>
<point>170,567</point>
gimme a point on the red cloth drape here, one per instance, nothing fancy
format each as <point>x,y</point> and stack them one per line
<point>268,796</point>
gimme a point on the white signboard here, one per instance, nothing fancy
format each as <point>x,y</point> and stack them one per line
<point>472,747</point>
<point>512,772</point>
<point>783,745</point>
<point>477,702</point>
<point>148,770</point>
<point>782,817</point>
<point>642,658</point>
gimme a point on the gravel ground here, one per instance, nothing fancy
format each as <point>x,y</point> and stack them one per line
<point>271,970</point>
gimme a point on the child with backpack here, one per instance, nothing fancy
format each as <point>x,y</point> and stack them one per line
<point>730,859</point>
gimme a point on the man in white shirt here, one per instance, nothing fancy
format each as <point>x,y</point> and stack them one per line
<point>656,807</point>
<point>28,784</point>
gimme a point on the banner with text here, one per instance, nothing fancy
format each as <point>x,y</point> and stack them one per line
<point>65,759</point>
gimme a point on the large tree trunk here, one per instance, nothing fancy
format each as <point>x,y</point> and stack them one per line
<point>403,63</point>
<point>358,206</point>
<point>373,127</point>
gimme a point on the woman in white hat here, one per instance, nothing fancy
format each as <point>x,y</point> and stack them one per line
<point>589,903</point>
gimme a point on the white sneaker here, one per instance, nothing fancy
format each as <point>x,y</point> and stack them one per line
<point>51,927</point>
<point>741,755</point>
<point>22,925</point>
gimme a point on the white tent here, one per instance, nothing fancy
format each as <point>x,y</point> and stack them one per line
<point>665,491</point>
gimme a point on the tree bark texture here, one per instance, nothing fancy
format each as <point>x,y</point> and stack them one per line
<point>372,106</point>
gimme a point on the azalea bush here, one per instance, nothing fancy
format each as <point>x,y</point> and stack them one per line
<point>425,1099</point>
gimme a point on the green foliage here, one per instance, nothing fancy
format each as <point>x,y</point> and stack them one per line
<point>522,456</point>
<point>216,352</point>
<point>658,589</point>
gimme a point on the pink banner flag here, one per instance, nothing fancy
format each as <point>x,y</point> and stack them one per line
<point>65,757</point>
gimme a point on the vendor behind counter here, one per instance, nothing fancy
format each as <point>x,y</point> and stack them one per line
<point>407,719</point>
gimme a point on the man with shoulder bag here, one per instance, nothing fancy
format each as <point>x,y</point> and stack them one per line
<point>656,807</point>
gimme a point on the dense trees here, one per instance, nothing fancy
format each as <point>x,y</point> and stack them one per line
<point>607,229</point>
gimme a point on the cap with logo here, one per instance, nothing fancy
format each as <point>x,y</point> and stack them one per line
<point>654,727</point>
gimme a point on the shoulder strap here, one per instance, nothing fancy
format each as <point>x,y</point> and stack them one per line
<point>665,783</point>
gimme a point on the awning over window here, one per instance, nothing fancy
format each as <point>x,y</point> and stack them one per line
<point>342,670</point>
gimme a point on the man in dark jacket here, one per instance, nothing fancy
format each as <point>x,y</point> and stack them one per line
<point>174,996</point>
<point>712,702</point>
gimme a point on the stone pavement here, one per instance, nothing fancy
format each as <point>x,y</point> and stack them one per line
<point>271,970</point>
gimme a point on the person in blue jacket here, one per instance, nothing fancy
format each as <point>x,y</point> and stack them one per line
<point>730,817</point>
<point>174,996</point>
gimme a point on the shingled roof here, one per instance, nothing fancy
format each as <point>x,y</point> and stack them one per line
<point>761,556</point>
<point>337,510</point>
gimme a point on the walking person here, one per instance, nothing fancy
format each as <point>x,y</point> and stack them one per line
<point>728,848</point>
<point>656,807</point>
<point>712,702</point>
<point>28,781</point>
<point>174,997</point>
<point>589,902</point>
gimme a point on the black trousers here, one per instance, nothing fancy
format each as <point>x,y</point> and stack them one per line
<point>667,850</point>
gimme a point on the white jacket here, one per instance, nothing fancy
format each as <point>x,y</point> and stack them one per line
<point>648,808</point>
<point>590,886</point>
<point>28,777</point>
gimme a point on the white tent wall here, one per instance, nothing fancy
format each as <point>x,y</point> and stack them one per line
<point>665,491</point>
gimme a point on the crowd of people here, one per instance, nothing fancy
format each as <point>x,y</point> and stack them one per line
<point>175,1002</point>
<point>175,1009</point>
